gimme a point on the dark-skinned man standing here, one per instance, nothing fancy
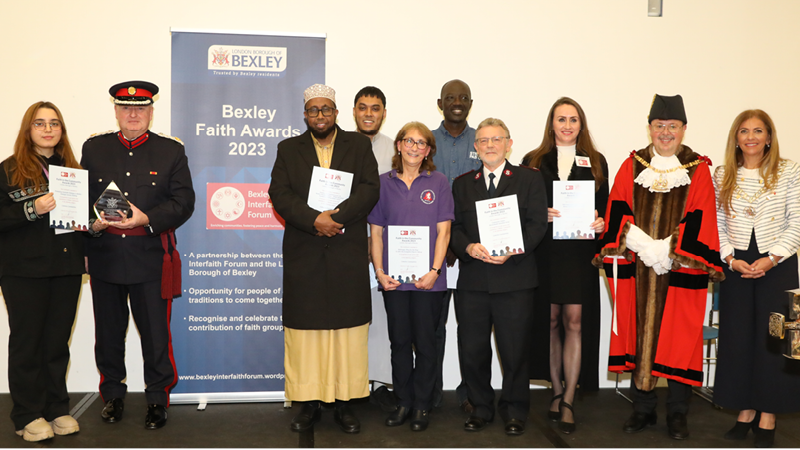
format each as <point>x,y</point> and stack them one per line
<point>326,302</point>
<point>455,155</point>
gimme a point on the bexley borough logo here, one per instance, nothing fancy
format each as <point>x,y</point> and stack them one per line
<point>246,61</point>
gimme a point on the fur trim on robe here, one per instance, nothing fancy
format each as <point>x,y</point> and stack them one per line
<point>659,318</point>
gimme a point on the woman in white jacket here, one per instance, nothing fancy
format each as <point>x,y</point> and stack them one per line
<point>758,214</point>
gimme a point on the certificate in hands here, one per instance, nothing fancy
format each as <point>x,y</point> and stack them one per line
<point>499,225</point>
<point>70,188</point>
<point>328,188</point>
<point>575,201</point>
<point>409,252</point>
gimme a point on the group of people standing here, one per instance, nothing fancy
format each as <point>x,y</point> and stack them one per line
<point>127,259</point>
<point>659,242</point>
<point>664,230</point>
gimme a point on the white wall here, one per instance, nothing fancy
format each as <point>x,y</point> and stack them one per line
<point>517,56</point>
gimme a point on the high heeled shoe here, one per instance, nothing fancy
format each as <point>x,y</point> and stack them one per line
<point>740,430</point>
<point>555,415</point>
<point>566,427</point>
<point>765,438</point>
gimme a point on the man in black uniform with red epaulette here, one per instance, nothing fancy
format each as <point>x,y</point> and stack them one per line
<point>136,257</point>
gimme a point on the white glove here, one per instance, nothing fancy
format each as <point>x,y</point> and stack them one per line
<point>657,254</point>
<point>637,240</point>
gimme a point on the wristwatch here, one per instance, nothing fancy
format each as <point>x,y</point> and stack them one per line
<point>438,271</point>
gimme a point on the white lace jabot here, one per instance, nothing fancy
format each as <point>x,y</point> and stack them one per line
<point>674,178</point>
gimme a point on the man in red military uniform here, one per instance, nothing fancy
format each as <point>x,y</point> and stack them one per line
<point>659,250</point>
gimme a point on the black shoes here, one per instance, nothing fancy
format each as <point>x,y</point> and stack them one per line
<point>566,427</point>
<point>156,417</point>
<point>765,438</point>
<point>384,398</point>
<point>419,420</point>
<point>515,427</point>
<point>740,430</point>
<point>555,415</point>
<point>638,421</point>
<point>398,417</point>
<point>475,423</point>
<point>347,421</point>
<point>311,413</point>
<point>677,427</point>
<point>112,412</point>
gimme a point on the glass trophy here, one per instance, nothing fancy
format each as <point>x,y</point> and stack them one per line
<point>112,204</point>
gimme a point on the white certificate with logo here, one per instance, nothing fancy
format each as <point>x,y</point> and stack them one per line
<point>575,201</point>
<point>409,252</point>
<point>70,188</point>
<point>328,188</point>
<point>499,225</point>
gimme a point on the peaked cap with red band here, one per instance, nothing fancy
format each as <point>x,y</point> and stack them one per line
<point>137,93</point>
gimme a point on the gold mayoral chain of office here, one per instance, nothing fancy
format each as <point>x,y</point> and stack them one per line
<point>661,184</point>
<point>750,211</point>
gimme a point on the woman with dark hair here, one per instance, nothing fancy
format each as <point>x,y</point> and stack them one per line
<point>41,277</point>
<point>413,194</point>
<point>569,286</point>
<point>758,215</point>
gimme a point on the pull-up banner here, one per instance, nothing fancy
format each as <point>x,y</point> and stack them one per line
<point>234,97</point>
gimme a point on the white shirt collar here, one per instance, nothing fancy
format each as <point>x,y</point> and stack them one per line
<point>497,173</point>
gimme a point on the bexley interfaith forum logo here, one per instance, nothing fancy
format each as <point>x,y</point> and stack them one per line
<point>246,61</point>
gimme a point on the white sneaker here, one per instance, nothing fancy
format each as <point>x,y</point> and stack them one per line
<point>65,425</point>
<point>38,430</point>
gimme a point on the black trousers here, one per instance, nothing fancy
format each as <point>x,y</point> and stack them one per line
<point>509,313</point>
<point>41,312</point>
<point>412,317</point>
<point>752,372</point>
<point>645,402</point>
<point>152,316</point>
<point>441,341</point>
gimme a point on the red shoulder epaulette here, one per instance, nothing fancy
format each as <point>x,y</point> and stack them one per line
<point>466,173</point>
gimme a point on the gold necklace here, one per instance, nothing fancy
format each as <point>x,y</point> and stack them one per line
<point>750,211</point>
<point>661,184</point>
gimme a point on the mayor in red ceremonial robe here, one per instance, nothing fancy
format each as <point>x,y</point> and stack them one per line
<point>659,250</point>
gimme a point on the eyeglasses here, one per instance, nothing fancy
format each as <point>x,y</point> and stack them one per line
<point>663,126</point>
<point>495,140</point>
<point>314,112</point>
<point>40,125</point>
<point>409,143</point>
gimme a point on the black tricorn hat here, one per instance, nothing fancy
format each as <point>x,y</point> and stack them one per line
<point>133,93</point>
<point>667,108</point>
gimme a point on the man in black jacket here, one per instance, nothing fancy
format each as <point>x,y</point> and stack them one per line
<point>136,257</point>
<point>496,290</point>
<point>326,301</point>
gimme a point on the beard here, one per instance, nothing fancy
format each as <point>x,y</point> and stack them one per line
<point>320,134</point>
<point>368,132</point>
